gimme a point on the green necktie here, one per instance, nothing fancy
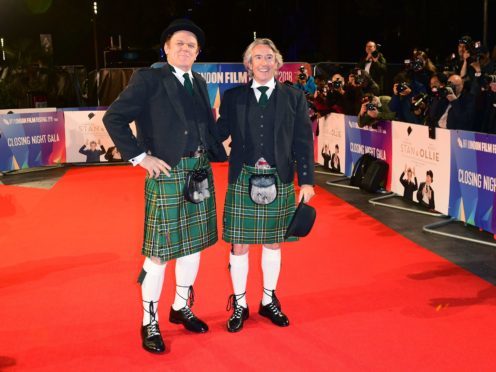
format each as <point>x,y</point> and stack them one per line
<point>263,98</point>
<point>187,83</point>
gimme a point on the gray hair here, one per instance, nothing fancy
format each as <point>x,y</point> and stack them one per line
<point>247,55</point>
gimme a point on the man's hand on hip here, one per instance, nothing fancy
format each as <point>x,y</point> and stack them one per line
<point>155,166</point>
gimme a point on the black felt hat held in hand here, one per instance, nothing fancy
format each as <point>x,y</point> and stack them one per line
<point>302,221</point>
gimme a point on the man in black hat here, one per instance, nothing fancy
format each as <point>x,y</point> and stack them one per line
<point>271,133</point>
<point>176,130</point>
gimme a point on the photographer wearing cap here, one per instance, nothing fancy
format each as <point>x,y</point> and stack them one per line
<point>372,112</point>
<point>453,106</point>
<point>374,63</point>
<point>176,130</point>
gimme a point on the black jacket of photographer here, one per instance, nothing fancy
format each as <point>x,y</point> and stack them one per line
<point>460,115</point>
<point>377,69</point>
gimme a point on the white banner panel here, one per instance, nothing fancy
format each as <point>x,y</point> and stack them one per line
<point>87,139</point>
<point>421,165</point>
<point>331,143</point>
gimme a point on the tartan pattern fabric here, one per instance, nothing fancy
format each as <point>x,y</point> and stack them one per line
<point>248,223</point>
<point>175,227</point>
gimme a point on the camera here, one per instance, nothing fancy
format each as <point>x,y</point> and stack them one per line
<point>418,100</point>
<point>335,85</point>
<point>401,87</point>
<point>375,54</point>
<point>370,106</point>
<point>476,52</point>
<point>417,64</point>
<point>359,79</point>
<point>302,76</point>
<point>487,79</point>
<point>442,92</point>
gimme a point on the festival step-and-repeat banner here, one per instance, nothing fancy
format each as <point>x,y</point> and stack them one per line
<point>359,141</point>
<point>331,144</point>
<point>32,140</point>
<point>473,175</point>
<point>421,165</point>
<point>87,140</point>
<point>454,174</point>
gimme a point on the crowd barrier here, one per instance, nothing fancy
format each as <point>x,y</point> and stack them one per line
<point>49,136</point>
<point>462,163</point>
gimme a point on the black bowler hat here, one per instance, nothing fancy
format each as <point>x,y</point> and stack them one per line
<point>183,24</point>
<point>302,221</point>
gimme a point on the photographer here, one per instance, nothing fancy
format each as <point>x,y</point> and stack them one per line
<point>488,108</point>
<point>318,103</point>
<point>336,96</point>
<point>304,82</point>
<point>372,112</point>
<point>374,63</point>
<point>464,44</point>
<point>409,101</point>
<point>359,85</point>
<point>453,106</point>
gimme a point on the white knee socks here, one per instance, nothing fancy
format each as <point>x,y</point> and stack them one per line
<point>186,270</point>
<point>239,275</point>
<point>151,287</point>
<point>271,267</point>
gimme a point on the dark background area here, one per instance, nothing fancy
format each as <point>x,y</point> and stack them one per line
<point>308,30</point>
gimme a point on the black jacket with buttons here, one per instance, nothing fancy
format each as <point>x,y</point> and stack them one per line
<point>293,139</point>
<point>152,100</point>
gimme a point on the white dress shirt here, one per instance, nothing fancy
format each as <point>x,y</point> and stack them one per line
<point>271,84</point>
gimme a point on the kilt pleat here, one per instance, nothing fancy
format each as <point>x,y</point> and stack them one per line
<point>175,227</point>
<point>246,222</point>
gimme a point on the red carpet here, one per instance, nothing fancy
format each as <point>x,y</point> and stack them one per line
<point>360,297</point>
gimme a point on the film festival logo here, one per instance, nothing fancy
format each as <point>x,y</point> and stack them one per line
<point>475,145</point>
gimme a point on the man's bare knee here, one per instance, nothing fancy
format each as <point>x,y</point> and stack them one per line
<point>157,261</point>
<point>274,246</point>
<point>240,249</point>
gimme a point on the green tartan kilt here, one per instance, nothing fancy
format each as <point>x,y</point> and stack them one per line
<point>175,227</point>
<point>246,222</point>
